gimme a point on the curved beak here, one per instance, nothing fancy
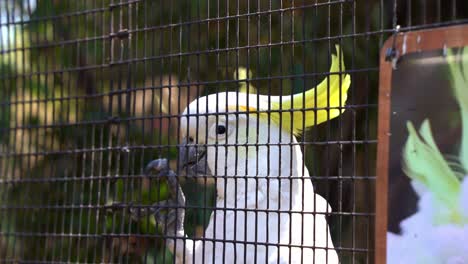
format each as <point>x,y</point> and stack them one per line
<point>192,158</point>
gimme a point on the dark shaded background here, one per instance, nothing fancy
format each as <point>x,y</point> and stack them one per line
<point>91,89</point>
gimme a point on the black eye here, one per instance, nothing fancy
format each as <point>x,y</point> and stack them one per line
<point>220,129</point>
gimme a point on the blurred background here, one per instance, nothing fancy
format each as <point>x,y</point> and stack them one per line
<point>91,90</point>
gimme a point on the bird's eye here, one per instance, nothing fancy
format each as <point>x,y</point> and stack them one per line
<point>220,129</point>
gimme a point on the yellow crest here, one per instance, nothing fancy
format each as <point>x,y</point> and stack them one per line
<point>312,107</point>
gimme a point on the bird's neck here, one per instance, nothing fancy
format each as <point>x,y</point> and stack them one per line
<point>270,169</point>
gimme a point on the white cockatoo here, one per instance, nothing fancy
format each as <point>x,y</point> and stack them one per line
<point>266,208</point>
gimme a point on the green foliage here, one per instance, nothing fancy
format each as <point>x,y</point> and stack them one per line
<point>425,164</point>
<point>458,75</point>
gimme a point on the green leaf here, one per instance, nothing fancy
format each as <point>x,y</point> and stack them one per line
<point>458,68</point>
<point>423,162</point>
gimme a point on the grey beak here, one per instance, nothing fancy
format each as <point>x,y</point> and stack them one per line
<point>192,158</point>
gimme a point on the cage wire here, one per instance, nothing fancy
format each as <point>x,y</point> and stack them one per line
<point>93,90</point>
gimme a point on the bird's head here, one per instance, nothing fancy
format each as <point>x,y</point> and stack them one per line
<point>238,134</point>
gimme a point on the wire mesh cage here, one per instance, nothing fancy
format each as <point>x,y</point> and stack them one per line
<point>159,131</point>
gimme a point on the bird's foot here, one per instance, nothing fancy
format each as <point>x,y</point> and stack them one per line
<point>165,214</point>
<point>169,214</point>
<point>172,221</point>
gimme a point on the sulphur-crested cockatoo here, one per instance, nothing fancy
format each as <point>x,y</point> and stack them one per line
<point>266,208</point>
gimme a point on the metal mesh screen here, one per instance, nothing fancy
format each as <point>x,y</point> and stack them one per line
<point>91,91</point>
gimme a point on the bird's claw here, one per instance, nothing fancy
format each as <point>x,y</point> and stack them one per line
<point>172,221</point>
<point>158,167</point>
<point>166,221</point>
